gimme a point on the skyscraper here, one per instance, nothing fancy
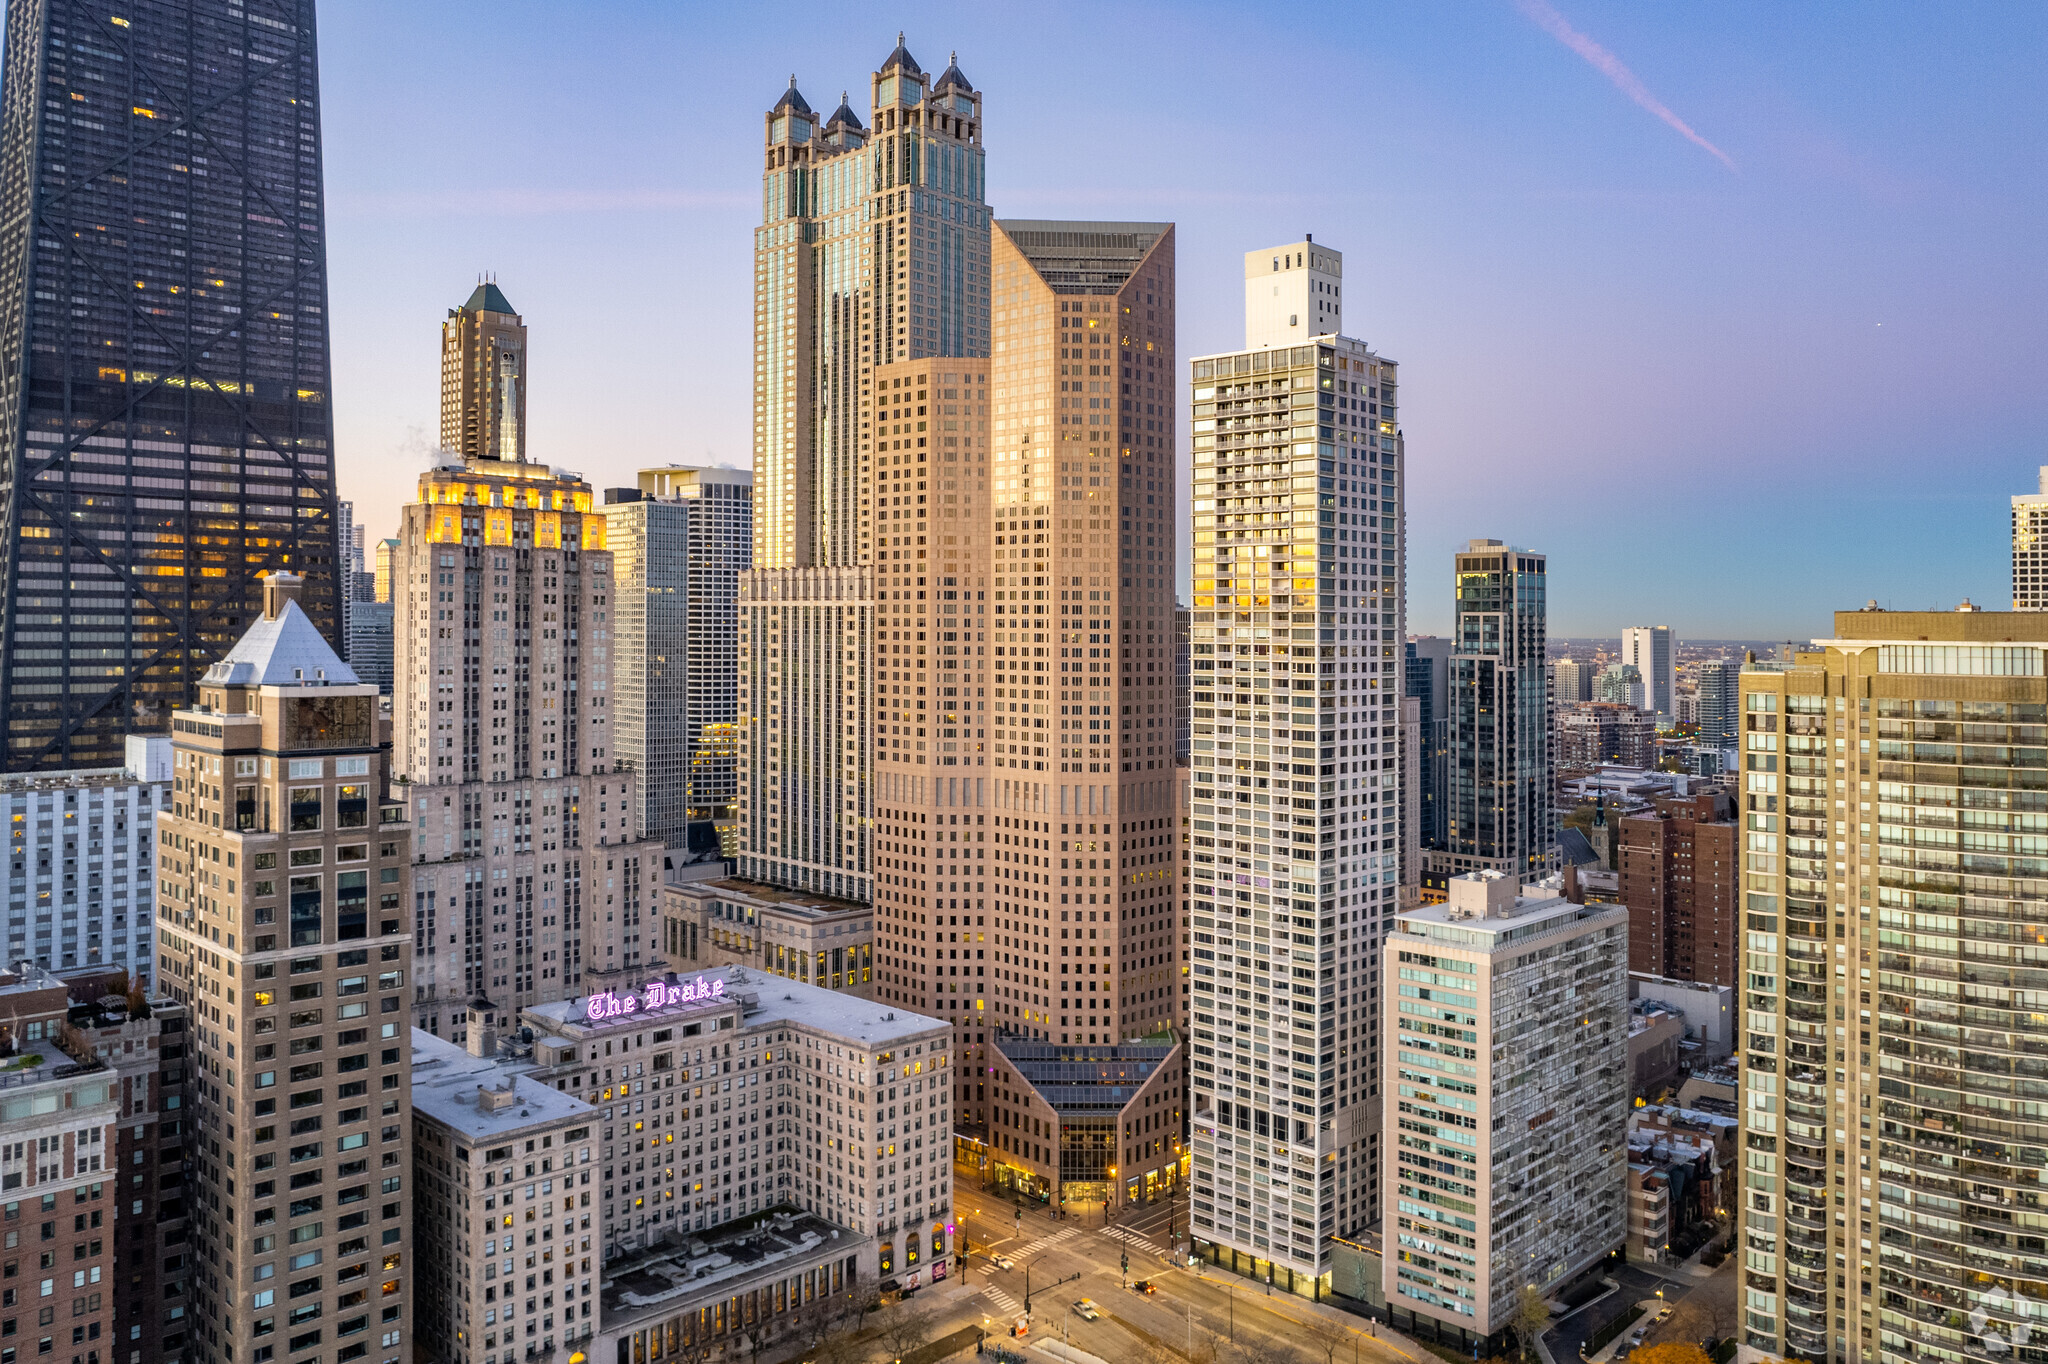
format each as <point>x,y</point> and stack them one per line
<point>533,880</point>
<point>1903,862</point>
<point>165,429</point>
<point>483,378</point>
<point>1499,813</point>
<point>679,542</point>
<point>1650,649</point>
<point>1428,680</point>
<point>1720,702</point>
<point>279,778</point>
<point>1622,684</point>
<point>1298,682</point>
<point>2030,548</point>
<point>381,572</point>
<point>873,251</point>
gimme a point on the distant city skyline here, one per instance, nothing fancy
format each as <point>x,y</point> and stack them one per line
<point>1566,270</point>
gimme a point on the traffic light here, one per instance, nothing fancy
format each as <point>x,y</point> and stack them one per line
<point>1127,1262</point>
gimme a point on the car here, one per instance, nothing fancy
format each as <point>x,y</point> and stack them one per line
<point>1086,1310</point>
<point>1002,1262</point>
<point>1663,1315</point>
<point>1144,1286</point>
<point>1635,1337</point>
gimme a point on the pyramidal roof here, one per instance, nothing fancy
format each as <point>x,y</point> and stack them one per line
<point>281,651</point>
<point>487,299</point>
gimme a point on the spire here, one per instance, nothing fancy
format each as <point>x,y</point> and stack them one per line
<point>952,76</point>
<point>901,60</point>
<point>791,99</point>
<point>844,116</point>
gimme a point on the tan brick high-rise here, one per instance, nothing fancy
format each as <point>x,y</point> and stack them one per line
<point>284,926</point>
<point>483,378</point>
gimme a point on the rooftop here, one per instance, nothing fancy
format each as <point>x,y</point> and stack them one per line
<point>1080,1080</point>
<point>766,1001</point>
<point>679,1270</point>
<point>448,1085</point>
<point>799,903</point>
<point>487,299</point>
<point>1487,911</point>
<point>281,650</point>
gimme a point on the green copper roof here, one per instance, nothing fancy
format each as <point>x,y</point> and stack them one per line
<point>487,299</point>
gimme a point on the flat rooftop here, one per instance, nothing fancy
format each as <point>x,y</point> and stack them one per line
<point>798,903</point>
<point>678,1272</point>
<point>447,1083</point>
<point>765,1000</point>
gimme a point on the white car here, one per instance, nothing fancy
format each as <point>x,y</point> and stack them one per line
<point>1002,1262</point>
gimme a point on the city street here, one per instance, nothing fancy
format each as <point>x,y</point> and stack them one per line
<point>1201,1314</point>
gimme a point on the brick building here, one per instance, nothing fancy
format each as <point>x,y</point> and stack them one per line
<point>1679,878</point>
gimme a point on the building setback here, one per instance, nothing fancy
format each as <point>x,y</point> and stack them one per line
<point>679,542</point>
<point>284,927</point>
<point>1680,878</point>
<point>165,416</point>
<point>1911,859</point>
<point>1507,1056</point>
<point>1299,678</point>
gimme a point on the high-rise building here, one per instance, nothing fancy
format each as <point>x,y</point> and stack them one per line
<point>370,643</point>
<point>1499,813</point>
<point>532,874</point>
<point>2030,548</point>
<point>1510,1142</point>
<point>381,573</point>
<point>81,870</point>
<point>283,921</point>
<point>1296,800</point>
<point>356,585</point>
<point>1650,649</point>
<point>1923,1079</point>
<point>1621,684</point>
<point>873,251</point>
<point>873,248</point>
<point>1719,703</point>
<point>165,428</point>
<point>1183,681</point>
<point>1590,733</point>
<point>1680,878</point>
<point>483,378</point>
<point>1427,678</point>
<point>1571,681</point>
<point>1292,294</point>
<point>679,542</point>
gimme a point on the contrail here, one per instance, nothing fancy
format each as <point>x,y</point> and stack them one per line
<point>1610,66</point>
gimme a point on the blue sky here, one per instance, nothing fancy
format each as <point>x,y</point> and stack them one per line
<point>1730,397</point>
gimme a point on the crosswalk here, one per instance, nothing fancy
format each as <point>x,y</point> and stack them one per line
<point>1132,1237</point>
<point>1008,1305</point>
<point>1051,1238</point>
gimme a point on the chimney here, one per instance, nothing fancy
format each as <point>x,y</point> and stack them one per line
<point>481,1040</point>
<point>279,588</point>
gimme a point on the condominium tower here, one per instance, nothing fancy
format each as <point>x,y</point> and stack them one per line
<point>1650,649</point>
<point>679,542</point>
<point>1298,681</point>
<point>483,378</point>
<point>283,923</point>
<point>1894,790</point>
<point>2030,548</point>
<point>1508,1115</point>
<point>165,424</point>
<point>873,251</point>
<point>1499,813</point>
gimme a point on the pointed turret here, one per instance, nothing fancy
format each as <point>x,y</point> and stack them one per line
<point>844,117</point>
<point>792,100</point>
<point>900,60</point>
<point>951,77</point>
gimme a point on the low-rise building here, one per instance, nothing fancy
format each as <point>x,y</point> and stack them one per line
<point>1678,1160</point>
<point>1654,1037</point>
<point>1085,1124</point>
<point>79,879</point>
<point>1708,1010</point>
<point>816,939</point>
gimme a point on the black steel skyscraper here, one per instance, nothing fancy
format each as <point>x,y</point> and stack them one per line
<point>165,430</point>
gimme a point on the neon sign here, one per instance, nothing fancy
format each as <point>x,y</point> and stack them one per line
<point>656,994</point>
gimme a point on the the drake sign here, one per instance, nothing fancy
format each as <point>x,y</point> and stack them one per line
<point>656,994</point>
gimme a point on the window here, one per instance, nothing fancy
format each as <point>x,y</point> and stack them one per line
<point>305,910</point>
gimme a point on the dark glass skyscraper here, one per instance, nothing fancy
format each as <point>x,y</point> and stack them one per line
<point>165,430</point>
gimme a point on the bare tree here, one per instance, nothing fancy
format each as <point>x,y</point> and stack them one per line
<point>907,1331</point>
<point>1331,1339</point>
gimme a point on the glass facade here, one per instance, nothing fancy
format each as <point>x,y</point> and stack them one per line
<point>164,401</point>
<point>1497,797</point>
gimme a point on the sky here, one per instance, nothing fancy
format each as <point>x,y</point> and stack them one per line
<point>1737,312</point>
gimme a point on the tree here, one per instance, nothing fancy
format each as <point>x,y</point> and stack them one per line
<point>1331,1339</point>
<point>907,1331</point>
<point>1670,1352</point>
<point>1532,1315</point>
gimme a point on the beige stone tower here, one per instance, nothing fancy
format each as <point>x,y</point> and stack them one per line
<point>285,925</point>
<point>533,875</point>
<point>483,378</point>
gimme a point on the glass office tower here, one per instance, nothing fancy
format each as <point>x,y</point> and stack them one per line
<point>164,405</point>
